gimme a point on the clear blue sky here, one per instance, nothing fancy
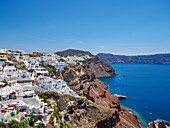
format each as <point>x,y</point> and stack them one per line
<point>115,26</point>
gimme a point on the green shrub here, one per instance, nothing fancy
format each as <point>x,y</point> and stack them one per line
<point>67,125</point>
<point>61,125</point>
<point>56,114</point>
<point>2,124</point>
<point>16,124</point>
<point>30,70</point>
<point>17,111</point>
<point>47,95</point>
<point>34,119</point>
<point>72,98</point>
<point>12,114</point>
<point>52,120</point>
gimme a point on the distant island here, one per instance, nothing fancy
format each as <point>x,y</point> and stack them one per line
<point>139,59</point>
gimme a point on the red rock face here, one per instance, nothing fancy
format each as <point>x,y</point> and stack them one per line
<point>104,110</point>
<point>102,97</point>
<point>120,117</point>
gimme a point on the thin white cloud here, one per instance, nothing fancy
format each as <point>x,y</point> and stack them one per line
<point>80,42</point>
<point>72,39</point>
<point>76,41</point>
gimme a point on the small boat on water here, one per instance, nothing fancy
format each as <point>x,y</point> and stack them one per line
<point>119,78</point>
<point>120,96</point>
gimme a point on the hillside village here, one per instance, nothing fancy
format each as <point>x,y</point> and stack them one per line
<point>20,86</point>
<point>60,90</point>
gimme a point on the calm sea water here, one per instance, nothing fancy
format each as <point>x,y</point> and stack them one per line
<point>147,87</point>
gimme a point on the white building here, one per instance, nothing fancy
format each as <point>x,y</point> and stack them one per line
<point>9,70</point>
<point>41,71</point>
<point>56,85</point>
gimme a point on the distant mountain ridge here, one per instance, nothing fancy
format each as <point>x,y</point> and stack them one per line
<point>72,52</point>
<point>139,59</point>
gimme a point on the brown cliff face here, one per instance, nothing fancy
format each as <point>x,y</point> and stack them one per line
<point>100,108</point>
<point>102,97</point>
<point>110,121</point>
<point>86,114</point>
<point>100,68</point>
<point>119,118</point>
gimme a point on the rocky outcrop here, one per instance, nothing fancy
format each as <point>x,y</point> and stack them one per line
<point>87,113</point>
<point>102,97</point>
<point>100,108</point>
<point>99,67</point>
<point>158,124</point>
<point>121,117</point>
<point>110,121</point>
<point>69,75</point>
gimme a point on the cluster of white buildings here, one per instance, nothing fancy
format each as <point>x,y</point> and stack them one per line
<point>8,72</point>
<point>17,87</point>
<point>74,59</point>
<point>47,59</point>
<point>17,91</point>
<point>20,97</point>
<point>56,85</point>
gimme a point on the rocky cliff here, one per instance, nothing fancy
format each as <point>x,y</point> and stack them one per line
<point>141,59</point>
<point>99,108</point>
<point>99,67</point>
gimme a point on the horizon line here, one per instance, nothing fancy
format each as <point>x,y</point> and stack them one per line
<point>118,54</point>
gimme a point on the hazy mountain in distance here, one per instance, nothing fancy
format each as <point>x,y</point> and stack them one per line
<point>140,59</point>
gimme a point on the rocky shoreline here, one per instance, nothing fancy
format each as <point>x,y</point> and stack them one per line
<point>141,123</point>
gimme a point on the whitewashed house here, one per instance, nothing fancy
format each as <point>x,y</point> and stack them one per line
<point>3,59</point>
<point>9,70</point>
<point>56,85</point>
<point>22,74</point>
<point>41,71</point>
<point>33,105</point>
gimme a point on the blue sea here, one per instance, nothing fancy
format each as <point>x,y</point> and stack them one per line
<point>147,87</point>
